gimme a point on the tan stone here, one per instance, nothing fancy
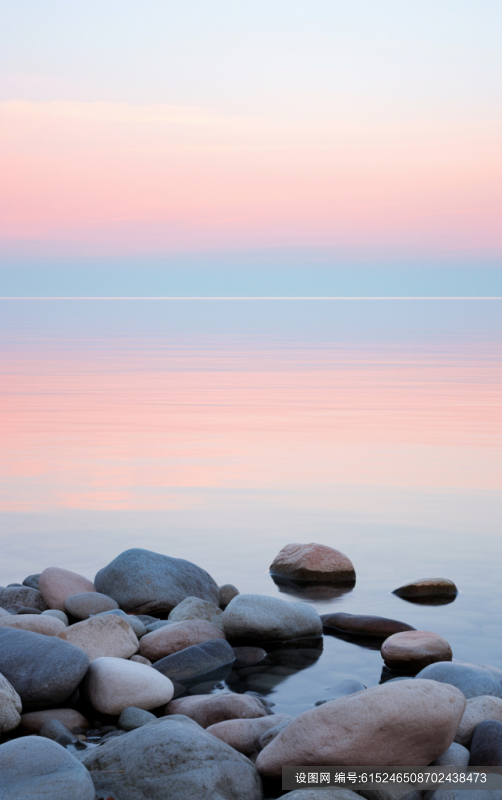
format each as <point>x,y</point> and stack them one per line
<point>37,623</point>
<point>105,635</point>
<point>477,709</point>
<point>114,684</point>
<point>10,706</point>
<point>141,660</point>
<point>243,734</point>
<point>408,722</point>
<point>415,650</point>
<point>195,608</point>
<point>71,719</point>
<point>172,638</point>
<point>56,585</point>
<point>208,709</point>
<point>313,562</point>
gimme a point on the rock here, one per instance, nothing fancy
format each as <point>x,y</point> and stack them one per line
<point>243,734</point>
<point>161,623</point>
<point>194,608</point>
<point>146,619</point>
<point>136,624</point>
<point>267,737</point>
<point>10,706</point>
<point>173,752</point>
<point>226,593</point>
<point>48,626</point>
<point>313,562</point>
<point>320,794</point>
<point>144,582</point>
<point>141,660</point>
<point>178,636</point>
<point>85,604</point>
<point>53,612</point>
<point>248,656</point>
<point>13,599</point>
<point>471,679</point>
<point>38,769</point>
<point>455,756</point>
<point>415,650</point>
<point>132,718</point>
<point>55,730</point>
<point>427,587</point>
<point>199,662</point>
<point>32,581</point>
<point>114,684</point>
<point>363,625</point>
<point>102,636</point>
<point>33,721</point>
<point>486,744</point>
<point>208,709</point>
<point>4,613</point>
<point>261,618</point>
<point>43,670</point>
<point>56,585</point>
<point>477,709</point>
<point>26,610</point>
<point>407,722</point>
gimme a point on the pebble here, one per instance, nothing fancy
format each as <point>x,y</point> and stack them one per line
<point>226,593</point>
<point>244,734</point>
<point>486,745</point>
<point>208,709</point>
<point>178,636</point>
<point>141,660</point>
<point>10,706</point>
<point>471,679</point>
<point>28,610</point>
<point>313,562</point>
<point>55,730</point>
<point>13,599</point>
<point>261,618</point>
<point>32,721</point>
<point>477,709</point>
<point>363,625</point>
<point>102,636</point>
<point>414,650</point>
<point>271,733</point>
<point>194,608</point>
<point>427,587</point>
<point>57,584</point>
<point>132,718</point>
<point>145,582</point>
<point>455,756</point>
<point>83,605</point>
<point>32,581</point>
<point>207,661</point>
<point>53,612</point>
<point>37,623</point>
<point>248,656</point>
<point>114,684</point>
<point>136,624</point>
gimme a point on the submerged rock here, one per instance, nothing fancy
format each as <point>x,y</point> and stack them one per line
<point>313,562</point>
<point>201,662</point>
<point>363,625</point>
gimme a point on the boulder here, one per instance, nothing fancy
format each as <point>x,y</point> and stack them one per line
<point>150,583</point>
<point>477,709</point>
<point>173,756</point>
<point>486,744</point>
<point>114,684</point>
<point>37,623</point>
<point>173,638</point>
<point>132,718</point>
<point>427,587</point>
<point>244,734</point>
<point>200,662</point>
<point>16,597</point>
<point>10,706</point>
<point>102,636</point>
<point>85,604</point>
<point>414,650</point>
<point>43,670</point>
<point>73,720</point>
<point>56,585</point>
<point>195,608</point>
<point>226,593</point>
<point>363,625</point>
<point>313,562</point>
<point>455,756</point>
<point>408,722</point>
<point>471,679</point>
<point>208,709</point>
<point>261,618</point>
<point>39,769</point>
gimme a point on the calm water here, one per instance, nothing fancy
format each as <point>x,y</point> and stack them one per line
<point>220,431</point>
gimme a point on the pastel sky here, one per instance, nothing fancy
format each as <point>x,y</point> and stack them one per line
<point>271,132</point>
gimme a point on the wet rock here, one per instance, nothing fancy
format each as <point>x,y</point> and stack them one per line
<point>477,709</point>
<point>56,585</point>
<point>37,623</point>
<point>102,636</point>
<point>486,745</point>
<point>173,752</point>
<point>33,721</point>
<point>114,684</point>
<point>415,650</point>
<point>243,734</point>
<point>83,605</point>
<point>427,587</point>
<point>43,670</point>
<point>261,618</point>
<point>248,656</point>
<point>471,679</point>
<point>13,599</point>
<point>32,581</point>
<point>10,706</point>
<point>363,625</point>
<point>39,769</point>
<point>178,636</point>
<point>206,661</point>
<point>407,722</point>
<point>145,582</point>
<point>194,608</point>
<point>53,612</point>
<point>208,709</point>
<point>455,756</point>
<point>226,593</point>
<point>132,718</point>
<point>313,562</point>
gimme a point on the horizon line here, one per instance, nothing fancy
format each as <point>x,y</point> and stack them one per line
<point>247,297</point>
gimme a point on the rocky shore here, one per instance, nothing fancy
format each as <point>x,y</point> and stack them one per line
<point>151,681</point>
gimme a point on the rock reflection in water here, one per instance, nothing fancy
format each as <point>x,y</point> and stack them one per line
<point>312,591</point>
<point>368,642</point>
<point>430,601</point>
<point>278,665</point>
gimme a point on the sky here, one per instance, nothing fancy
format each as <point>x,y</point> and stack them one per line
<point>277,147</point>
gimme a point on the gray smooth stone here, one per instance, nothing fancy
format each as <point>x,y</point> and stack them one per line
<point>55,730</point>
<point>161,623</point>
<point>151,583</point>
<point>15,597</point>
<point>456,756</point>
<point>132,718</point>
<point>44,670</point>
<point>472,680</point>
<point>37,768</point>
<point>198,662</point>
<point>176,758</point>
<point>85,604</point>
<point>54,612</point>
<point>26,610</point>
<point>486,744</point>
<point>138,627</point>
<point>32,581</point>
